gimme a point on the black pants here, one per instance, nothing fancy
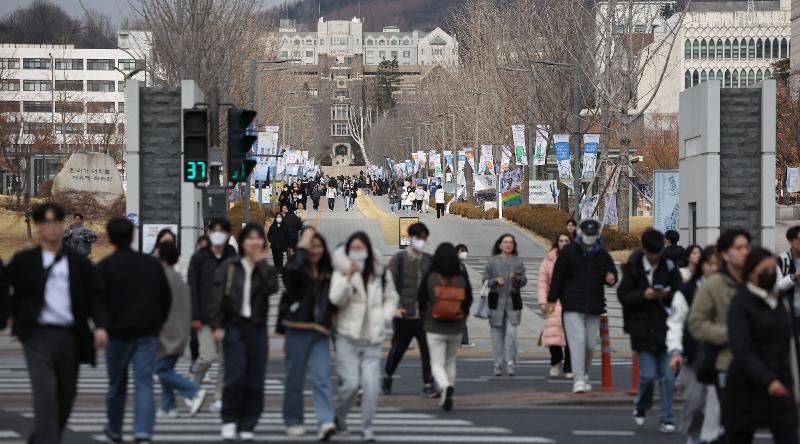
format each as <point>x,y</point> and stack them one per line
<point>245,350</point>
<point>315,203</point>
<point>439,210</point>
<point>558,354</point>
<point>331,203</point>
<point>404,331</point>
<point>194,346</point>
<point>785,435</point>
<point>51,356</point>
<point>465,335</point>
<point>277,258</point>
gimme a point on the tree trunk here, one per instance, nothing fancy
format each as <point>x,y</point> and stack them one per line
<point>622,195</point>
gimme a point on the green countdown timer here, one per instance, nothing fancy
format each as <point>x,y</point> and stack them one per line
<point>195,171</point>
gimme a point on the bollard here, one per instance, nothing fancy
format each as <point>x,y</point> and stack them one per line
<point>605,347</point>
<point>634,376</point>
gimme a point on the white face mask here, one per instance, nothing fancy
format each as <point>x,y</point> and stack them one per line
<point>418,244</point>
<point>463,255</point>
<point>359,257</point>
<point>218,238</point>
<point>278,220</point>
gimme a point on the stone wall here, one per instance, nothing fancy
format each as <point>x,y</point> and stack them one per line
<point>160,154</point>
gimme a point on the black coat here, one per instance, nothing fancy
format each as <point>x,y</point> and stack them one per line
<point>26,276</point>
<point>278,236</point>
<point>305,303</point>
<point>578,279</point>
<point>646,320</point>
<point>135,292</point>
<point>228,292</point>
<point>760,343</point>
<point>202,270</point>
<point>676,254</point>
<point>293,226</point>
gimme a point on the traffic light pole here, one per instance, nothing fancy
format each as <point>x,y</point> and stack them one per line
<point>213,121</point>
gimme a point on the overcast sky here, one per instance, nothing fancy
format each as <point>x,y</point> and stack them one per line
<point>117,9</point>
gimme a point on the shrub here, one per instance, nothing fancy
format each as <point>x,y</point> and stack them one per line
<point>258,214</point>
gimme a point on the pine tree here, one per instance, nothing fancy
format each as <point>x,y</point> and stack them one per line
<point>386,83</point>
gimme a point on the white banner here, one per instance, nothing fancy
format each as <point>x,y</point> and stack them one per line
<point>540,149</point>
<point>793,180</point>
<point>561,142</point>
<point>520,153</point>
<point>505,158</point>
<point>267,144</point>
<point>485,182</point>
<point>666,199</point>
<point>590,144</point>
<point>543,192</point>
<point>487,160</point>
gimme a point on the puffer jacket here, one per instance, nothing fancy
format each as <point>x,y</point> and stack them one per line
<point>553,332</point>
<point>305,304</point>
<point>353,297</point>
<point>226,305</point>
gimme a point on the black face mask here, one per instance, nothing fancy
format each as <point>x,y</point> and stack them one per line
<point>767,279</point>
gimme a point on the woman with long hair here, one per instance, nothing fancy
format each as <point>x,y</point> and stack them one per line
<point>306,318</point>
<point>692,258</point>
<point>445,296</point>
<point>278,236</point>
<point>505,273</point>
<point>366,299</point>
<point>164,235</point>
<point>552,335</point>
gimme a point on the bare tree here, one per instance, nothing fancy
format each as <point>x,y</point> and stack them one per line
<point>358,124</point>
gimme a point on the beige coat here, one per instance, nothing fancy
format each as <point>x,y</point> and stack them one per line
<point>708,317</point>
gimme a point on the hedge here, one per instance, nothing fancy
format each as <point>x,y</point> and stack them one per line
<point>258,214</point>
<point>547,222</point>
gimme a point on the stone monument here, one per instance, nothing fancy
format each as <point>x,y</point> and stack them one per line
<point>89,183</point>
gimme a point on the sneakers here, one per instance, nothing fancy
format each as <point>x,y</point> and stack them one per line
<point>667,427</point>
<point>167,414</point>
<point>555,371</point>
<point>369,435</point>
<point>228,432</point>
<point>387,385</point>
<point>638,418</point>
<point>193,367</point>
<point>510,369</point>
<point>246,436</point>
<point>216,407</point>
<point>341,426</point>
<point>580,387</point>
<point>568,375</point>
<point>467,345</point>
<point>447,399</point>
<point>326,431</point>
<point>198,400</point>
<point>497,370</point>
<point>295,431</point>
<point>111,436</point>
<point>429,390</point>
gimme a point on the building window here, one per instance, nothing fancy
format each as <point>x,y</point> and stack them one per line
<point>369,42</point>
<point>35,128</point>
<point>284,54</point>
<point>37,106</point>
<point>695,78</point>
<point>121,107</point>
<point>340,112</point>
<point>100,128</point>
<point>768,48</point>
<point>719,76</point>
<point>735,79</point>
<point>727,48</point>
<point>36,85</point>
<point>100,107</point>
<point>69,128</point>
<point>35,63</point>
<point>767,74</point>
<point>711,49</point>
<point>422,51</point>
<point>121,128</point>
<point>100,64</point>
<point>69,107</point>
<point>719,49</point>
<point>406,54</point>
<point>712,75</point>
<point>322,41</point>
<point>69,85</point>
<point>9,63</point>
<point>735,53</point>
<point>69,64</point>
<point>784,49</point>
<point>751,77</point>
<point>687,79</point>
<point>339,129</point>
<point>393,42</point>
<point>9,106</point>
<point>703,49</point>
<point>381,42</point>
<point>703,77</point>
<point>775,49</point>
<point>405,42</point>
<point>370,53</point>
<point>751,49</point>
<point>121,86</point>
<point>696,49</point>
<point>727,83</point>
<point>100,85</point>
<point>394,54</point>
<point>382,54</point>
<point>339,41</point>
<point>759,49</point>
<point>760,75</point>
<point>9,85</point>
<point>309,54</point>
<point>130,64</point>
<point>345,93</point>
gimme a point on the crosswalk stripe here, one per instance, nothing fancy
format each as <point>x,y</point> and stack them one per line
<point>352,437</point>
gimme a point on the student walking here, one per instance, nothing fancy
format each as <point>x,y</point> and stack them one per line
<point>238,314</point>
<point>439,198</point>
<point>278,236</point>
<point>445,297</point>
<point>552,335</point>
<point>366,299</point>
<point>463,254</point>
<point>78,237</point>
<point>331,195</point>
<point>306,318</point>
<point>582,269</point>
<point>52,302</point>
<point>505,273</point>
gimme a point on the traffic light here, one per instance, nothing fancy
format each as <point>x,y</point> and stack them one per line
<point>195,145</point>
<point>239,144</point>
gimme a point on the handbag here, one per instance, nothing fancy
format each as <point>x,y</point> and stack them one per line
<point>705,363</point>
<point>483,305</point>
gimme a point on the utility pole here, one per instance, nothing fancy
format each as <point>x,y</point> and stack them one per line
<point>576,135</point>
<point>213,122</point>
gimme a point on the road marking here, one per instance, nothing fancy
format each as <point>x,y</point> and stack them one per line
<point>357,437</point>
<point>603,433</point>
<point>7,434</point>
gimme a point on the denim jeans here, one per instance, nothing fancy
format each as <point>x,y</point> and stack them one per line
<point>172,382</point>
<point>245,348</point>
<point>119,355</point>
<point>307,348</point>
<point>655,366</point>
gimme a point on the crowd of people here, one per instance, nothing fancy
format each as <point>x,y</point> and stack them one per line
<point>723,319</point>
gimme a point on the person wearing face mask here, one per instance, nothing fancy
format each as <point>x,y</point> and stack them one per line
<point>278,236</point>
<point>552,335</point>
<point>463,254</point>
<point>505,273</point>
<point>407,200</point>
<point>331,195</point>
<point>645,292</point>
<point>582,269</point>
<point>407,268</point>
<point>293,225</point>
<point>708,316</point>
<point>238,317</point>
<point>365,296</point>
<point>202,269</point>
<point>305,316</point>
<point>761,390</point>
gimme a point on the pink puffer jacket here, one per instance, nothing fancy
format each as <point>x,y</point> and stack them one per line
<point>553,333</point>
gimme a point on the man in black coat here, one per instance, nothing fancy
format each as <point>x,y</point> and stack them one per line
<point>648,282</point>
<point>52,302</point>
<point>137,297</point>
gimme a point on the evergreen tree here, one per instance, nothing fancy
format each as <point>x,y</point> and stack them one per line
<point>386,83</point>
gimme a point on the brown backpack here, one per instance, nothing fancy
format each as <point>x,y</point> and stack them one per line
<point>448,299</point>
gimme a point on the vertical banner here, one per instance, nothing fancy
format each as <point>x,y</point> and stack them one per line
<point>587,206</point>
<point>612,217</point>
<point>415,160</point>
<point>543,192</point>
<point>436,164</point>
<point>423,160</point>
<point>431,159</point>
<point>511,187</point>
<point>666,199</point>
<point>487,160</point>
<point>520,153</point>
<point>590,144</point>
<point>462,162</point>
<point>409,167</point>
<point>505,158</point>
<point>267,144</point>
<point>540,148</point>
<point>793,180</point>
<point>470,157</point>
<point>561,142</point>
